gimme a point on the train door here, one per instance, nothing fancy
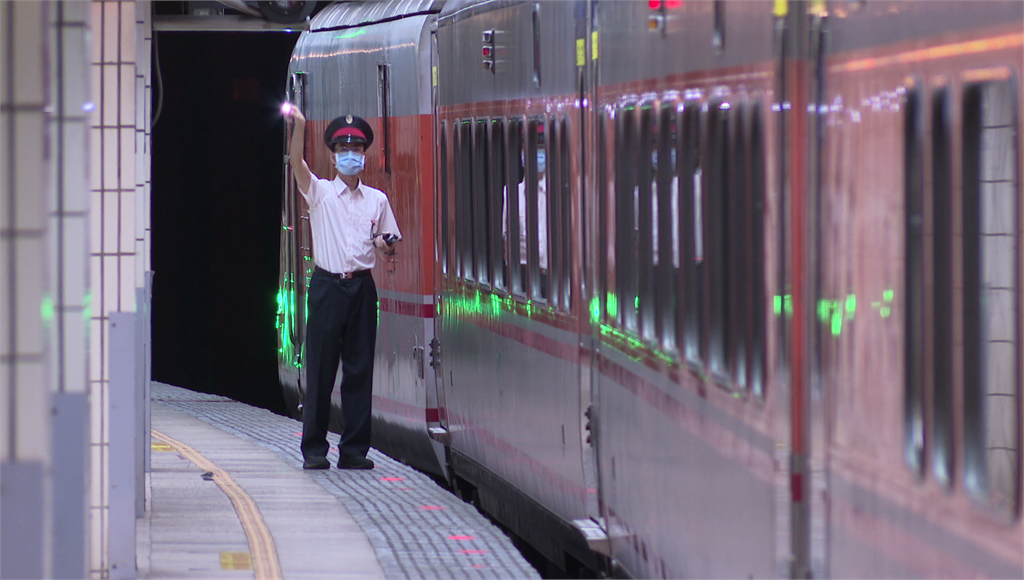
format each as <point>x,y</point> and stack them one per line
<point>817,393</point>
<point>586,63</point>
<point>438,426</point>
<point>297,247</point>
<point>799,40</point>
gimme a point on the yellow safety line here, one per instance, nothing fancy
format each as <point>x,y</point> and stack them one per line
<point>261,544</point>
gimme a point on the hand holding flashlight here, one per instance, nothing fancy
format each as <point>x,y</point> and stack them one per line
<point>292,112</point>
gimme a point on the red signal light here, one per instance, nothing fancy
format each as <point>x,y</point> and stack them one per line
<point>488,52</point>
<point>654,4</point>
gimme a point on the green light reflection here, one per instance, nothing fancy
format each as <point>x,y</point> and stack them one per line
<point>612,305</point>
<point>352,34</point>
<point>46,309</point>
<point>595,309</point>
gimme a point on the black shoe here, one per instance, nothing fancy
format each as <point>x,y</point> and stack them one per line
<point>354,462</point>
<point>316,463</point>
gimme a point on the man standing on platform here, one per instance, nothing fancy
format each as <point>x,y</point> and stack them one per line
<point>349,219</point>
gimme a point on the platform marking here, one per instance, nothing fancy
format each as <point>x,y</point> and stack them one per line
<point>235,561</point>
<point>261,544</point>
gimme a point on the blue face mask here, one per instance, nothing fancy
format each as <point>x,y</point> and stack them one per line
<point>542,161</point>
<point>349,162</point>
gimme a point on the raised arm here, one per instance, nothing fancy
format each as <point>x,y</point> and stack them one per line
<point>295,149</point>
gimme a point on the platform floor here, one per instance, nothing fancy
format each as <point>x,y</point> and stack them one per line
<point>228,498</point>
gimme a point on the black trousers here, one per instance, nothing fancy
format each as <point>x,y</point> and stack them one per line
<point>342,323</point>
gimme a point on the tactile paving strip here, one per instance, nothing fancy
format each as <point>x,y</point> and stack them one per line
<point>417,528</point>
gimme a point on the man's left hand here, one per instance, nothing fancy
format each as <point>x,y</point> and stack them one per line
<point>381,242</point>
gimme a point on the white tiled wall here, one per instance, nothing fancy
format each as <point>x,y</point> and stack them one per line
<point>119,214</point>
<point>43,216</point>
<point>23,260</point>
<point>74,218</point>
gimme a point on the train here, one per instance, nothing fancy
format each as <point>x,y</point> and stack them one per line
<point>693,288</point>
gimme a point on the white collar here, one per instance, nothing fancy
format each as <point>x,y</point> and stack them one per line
<point>340,186</point>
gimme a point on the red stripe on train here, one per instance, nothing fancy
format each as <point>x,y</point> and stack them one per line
<point>407,411</point>
<point>404,308</point>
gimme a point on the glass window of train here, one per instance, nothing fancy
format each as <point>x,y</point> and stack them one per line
<point>606,306</point>
<point>941,445</point>
<point>456,198</point>
<point>481,203</point>
<point>550,179</point>
<point>913,408</point>
<point>565,221</point>
<point>443,162</point>
<point>384,94</point>
<point>691,242</point>
<point>496,189</point>
<point>665,192</point>
<point>534,201</point>
<point>464,217</point>
<point>455,207</point>
<point>625,218</point>
<point>735,235</point>
<point>646,221</point>
<point>516,236</point>
<point>758,301</point>
<point>713,204</point>
<point>991,369</point>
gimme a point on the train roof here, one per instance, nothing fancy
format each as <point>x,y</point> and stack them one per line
<point>359,13</point>
<point>455,10</point>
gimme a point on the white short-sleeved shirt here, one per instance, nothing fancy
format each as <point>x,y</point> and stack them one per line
<point>542,222</point>
<point>344,223</point>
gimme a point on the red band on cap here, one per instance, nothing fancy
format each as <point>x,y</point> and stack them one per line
<point>348,132</point>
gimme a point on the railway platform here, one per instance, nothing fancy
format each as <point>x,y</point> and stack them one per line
<point>227,498</point>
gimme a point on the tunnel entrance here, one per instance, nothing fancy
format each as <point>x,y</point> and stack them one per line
<point>216,181</point>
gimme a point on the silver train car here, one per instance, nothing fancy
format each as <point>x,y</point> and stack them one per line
<point>693,289</point>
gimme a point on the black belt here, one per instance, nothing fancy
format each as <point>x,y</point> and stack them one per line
<point>343,275</point>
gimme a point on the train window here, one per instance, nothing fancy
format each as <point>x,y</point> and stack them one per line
<point>463,204</point>
<point>665,196</point>
<point>384,94</point>
<point>565,215</point>
<point>644,218</point>
<point>718,35</point>
<point>913,408</point>
<point>757,301</point>
<point>691,243</point>
<point>536,210</point>
<point>515,237</point>
<point>941,445</point>
<point>735,235</point>
<point>557,179</point>
<point>991,370</point>
<point>536,45</point>
<point>552,185</point>
<point>606,307</point>
<point>626,257</point>
<point>496,188</point>
<point>481,203</point>
<point>443,154</point>
<point>713,204</point>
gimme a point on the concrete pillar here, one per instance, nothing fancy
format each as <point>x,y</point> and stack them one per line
<point>75,86</point>
<point>24,384</point>
<point>118,227</point>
